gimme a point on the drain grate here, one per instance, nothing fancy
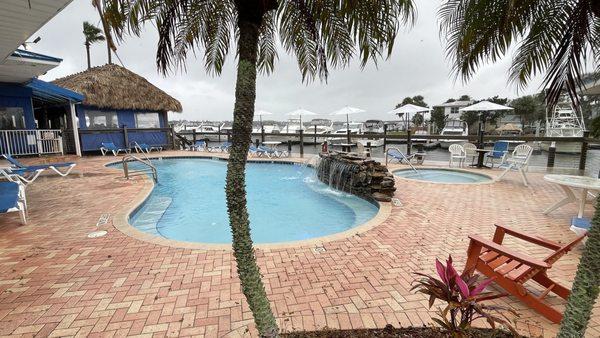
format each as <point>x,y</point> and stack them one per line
<point>103,219</point>
<point>396,202</point>
<point>319,249</point>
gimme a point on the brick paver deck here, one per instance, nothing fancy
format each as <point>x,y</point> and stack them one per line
<point>56,281</point>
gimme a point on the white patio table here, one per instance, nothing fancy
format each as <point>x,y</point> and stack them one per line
<point>567,183</point>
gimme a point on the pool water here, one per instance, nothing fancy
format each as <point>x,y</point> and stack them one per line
<point>285,203</point>
<point>442,176</point>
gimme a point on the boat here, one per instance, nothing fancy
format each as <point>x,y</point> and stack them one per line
<point>372,127</point>
<point>269,129</point>
<point>293,126</point>
<point>319,127</point>
<point>510,129</point>
<point>453,128</point>
<point>564,122</point>
<point>427,143</point>
<point>355,128</point>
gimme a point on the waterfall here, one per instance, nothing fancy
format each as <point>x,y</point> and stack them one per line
<point>337,173</point>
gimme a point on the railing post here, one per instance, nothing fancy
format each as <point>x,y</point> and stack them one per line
<point>173,136</point>
<point>384,138</point>
<point>301,142</point>
<point>228,136</point>
<point>125,136</point>
<point>408,142</point>
<point>551,154</point>
<point>584,149</point>
<point>348,133</point>
<point>256,143</point>
<point>369,148</point>
<point>219,134</point>
<point>315,139</point>
<point>289,146</point>
<point>262,134</point>
<point>194,136</point>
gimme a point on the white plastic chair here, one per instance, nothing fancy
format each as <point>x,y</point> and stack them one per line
<point>457,152</point>
<point>470,151</point>
<point>519,160</point>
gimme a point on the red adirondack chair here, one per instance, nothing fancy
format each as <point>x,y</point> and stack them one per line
<point>512,269</point>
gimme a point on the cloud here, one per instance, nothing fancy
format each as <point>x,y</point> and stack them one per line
<point>417,66</point>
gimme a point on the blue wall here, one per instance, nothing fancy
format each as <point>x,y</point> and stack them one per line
<point>91,141</point>
<point>12,95</point>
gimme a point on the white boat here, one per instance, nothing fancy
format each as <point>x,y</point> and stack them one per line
<point>204,131</point>
<point>372,127</point>
<point>355,128</point>
<point>292,126</point>
<point>319,127</point>
<point>428,143</point>
<point>269,129</point>
<point>564,122</point>
<point>454,128</point>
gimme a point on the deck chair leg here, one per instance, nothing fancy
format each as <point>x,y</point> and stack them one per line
<point>503,173</point>
<point>519,291</point>
<point>522,172</point>
<point>546,282</point>
<point>61,173</point>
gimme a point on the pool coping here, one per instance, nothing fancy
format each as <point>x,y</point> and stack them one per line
<point>121,219</point>
<point>470,171</point>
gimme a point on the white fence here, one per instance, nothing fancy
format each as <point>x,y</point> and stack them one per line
<point>31,142</point>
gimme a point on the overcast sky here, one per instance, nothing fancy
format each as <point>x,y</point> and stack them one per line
<point>417,66</point>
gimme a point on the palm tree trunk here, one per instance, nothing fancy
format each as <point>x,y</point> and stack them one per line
<point>87,50</point>
<point>585,286</point>
<point>243,114</point>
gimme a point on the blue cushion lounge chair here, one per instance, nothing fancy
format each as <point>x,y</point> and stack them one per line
<point>109,146</point>
<point>20,175</point>
<point>145,148</point>
<point>396,154</point>
<point>21,168</point>
<point>498,153</point>
<point>198,146</point>
<point>270,152</point>
<point>224,147</point>
<point>257,152</point>
<point>12,198</point>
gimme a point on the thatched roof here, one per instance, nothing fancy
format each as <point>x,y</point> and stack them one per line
<point>114,87</point>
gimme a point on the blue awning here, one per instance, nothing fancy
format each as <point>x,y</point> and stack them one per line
<point>50,92</point>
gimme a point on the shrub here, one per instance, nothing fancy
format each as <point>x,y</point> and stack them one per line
<point>464,298</point>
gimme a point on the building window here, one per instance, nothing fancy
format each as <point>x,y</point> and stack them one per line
<point>12,118</point>
<point>95,119</point>
<point>147,120</point>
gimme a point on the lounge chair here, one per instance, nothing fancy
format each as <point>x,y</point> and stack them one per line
<point>109,146</point>
<point>519,160</point>
<point>512,269</point>
<point>145,148</point>
<point>470,152</point>
<point>457,153</point>
<point>395,154</point>
<point>20,175</point>
<point>270,152</point>
<point>498,153</point>
<point>224,147</point>
<point>199,145</point>
<point>255,152</point>
<point>12,199</point>
<point>34,169</point>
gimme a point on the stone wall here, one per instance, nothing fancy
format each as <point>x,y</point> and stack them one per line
<point>356,175</point>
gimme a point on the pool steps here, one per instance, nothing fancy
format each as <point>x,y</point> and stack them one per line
<point>154,210</point>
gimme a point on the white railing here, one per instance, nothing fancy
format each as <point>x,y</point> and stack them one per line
<point>31,142</point>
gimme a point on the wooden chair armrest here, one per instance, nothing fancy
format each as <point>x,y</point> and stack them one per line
<point>535,263</point>
<point>546,243</point>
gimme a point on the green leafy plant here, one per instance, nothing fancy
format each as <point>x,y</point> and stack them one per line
<point>464,298</point>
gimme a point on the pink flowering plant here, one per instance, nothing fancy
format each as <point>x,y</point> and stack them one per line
<point>464,297</point>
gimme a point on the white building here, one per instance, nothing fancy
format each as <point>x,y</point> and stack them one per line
<point>451,108</point>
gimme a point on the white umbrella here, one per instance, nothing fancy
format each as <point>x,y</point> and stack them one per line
<point>348,111</point>
<point>301,112</point>
<point>485,106</point>
<point>408,109</point>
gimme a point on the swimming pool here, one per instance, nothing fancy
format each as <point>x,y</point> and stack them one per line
<point>285,203</point>
<point>443,175</point>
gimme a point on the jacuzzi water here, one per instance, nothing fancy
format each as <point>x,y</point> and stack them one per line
<point>285,202</point>
<point>442,175</point>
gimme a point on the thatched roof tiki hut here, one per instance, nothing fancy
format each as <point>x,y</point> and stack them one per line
<point>120,107</point>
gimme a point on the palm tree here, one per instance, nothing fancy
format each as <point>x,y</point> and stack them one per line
<point>92,35</point>
<point>110,44</point>
<point>555,38</point>
<point>319,33</point>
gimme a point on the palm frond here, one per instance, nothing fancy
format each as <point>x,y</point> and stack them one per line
<point>267,44</point>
